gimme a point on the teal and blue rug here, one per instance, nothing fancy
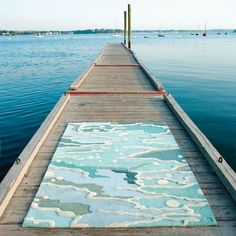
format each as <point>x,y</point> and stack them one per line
<point>118,175</point>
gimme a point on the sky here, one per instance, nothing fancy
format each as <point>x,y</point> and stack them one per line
<point>90,14</point>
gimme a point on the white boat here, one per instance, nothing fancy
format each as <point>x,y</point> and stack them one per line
<point>116,35</point>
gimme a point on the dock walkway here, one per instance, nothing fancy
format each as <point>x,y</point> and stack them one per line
<point>114,89</point>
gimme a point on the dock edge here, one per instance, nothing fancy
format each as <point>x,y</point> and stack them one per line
<point>222,169</point>
<point>19,169</point>
<point>156,83</point>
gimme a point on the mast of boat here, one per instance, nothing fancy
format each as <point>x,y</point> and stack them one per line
<point>114,29</point>
<point>205,32</point>
<point>197,33</point>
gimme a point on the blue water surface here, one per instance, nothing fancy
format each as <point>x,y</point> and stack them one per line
<point>34,72</point>
<point>201,74</point>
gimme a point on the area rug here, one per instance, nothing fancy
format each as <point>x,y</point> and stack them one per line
<point>118,175</point>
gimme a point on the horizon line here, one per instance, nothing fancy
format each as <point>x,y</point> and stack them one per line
<point>71,30</point>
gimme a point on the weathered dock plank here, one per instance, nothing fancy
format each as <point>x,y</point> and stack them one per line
<point>115,108</point>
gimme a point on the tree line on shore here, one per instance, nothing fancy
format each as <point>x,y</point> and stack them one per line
<point>94,31</point>
<point>55,32</point>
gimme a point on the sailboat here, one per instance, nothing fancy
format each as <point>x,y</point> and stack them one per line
<point>197,33</point>
<point>205,32</point>
<point>160,34</point>
<point>115,33</point>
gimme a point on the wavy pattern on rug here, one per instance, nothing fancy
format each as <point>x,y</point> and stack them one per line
<point>118,175</point>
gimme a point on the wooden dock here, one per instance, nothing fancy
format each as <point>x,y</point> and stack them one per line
<point>118,88</point>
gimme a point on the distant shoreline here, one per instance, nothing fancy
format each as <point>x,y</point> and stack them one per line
<point>101,31</point>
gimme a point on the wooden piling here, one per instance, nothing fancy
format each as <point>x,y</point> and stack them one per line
<point>125,26</point>
<point>129,26</point>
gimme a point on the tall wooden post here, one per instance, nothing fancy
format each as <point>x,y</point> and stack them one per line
<point>125,26</point>
<point>129,26</point>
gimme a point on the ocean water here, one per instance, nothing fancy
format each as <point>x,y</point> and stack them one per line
<point>201,74</point>
<point>34,72</point>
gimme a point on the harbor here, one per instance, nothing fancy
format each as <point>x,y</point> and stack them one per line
<point>120,152</point>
